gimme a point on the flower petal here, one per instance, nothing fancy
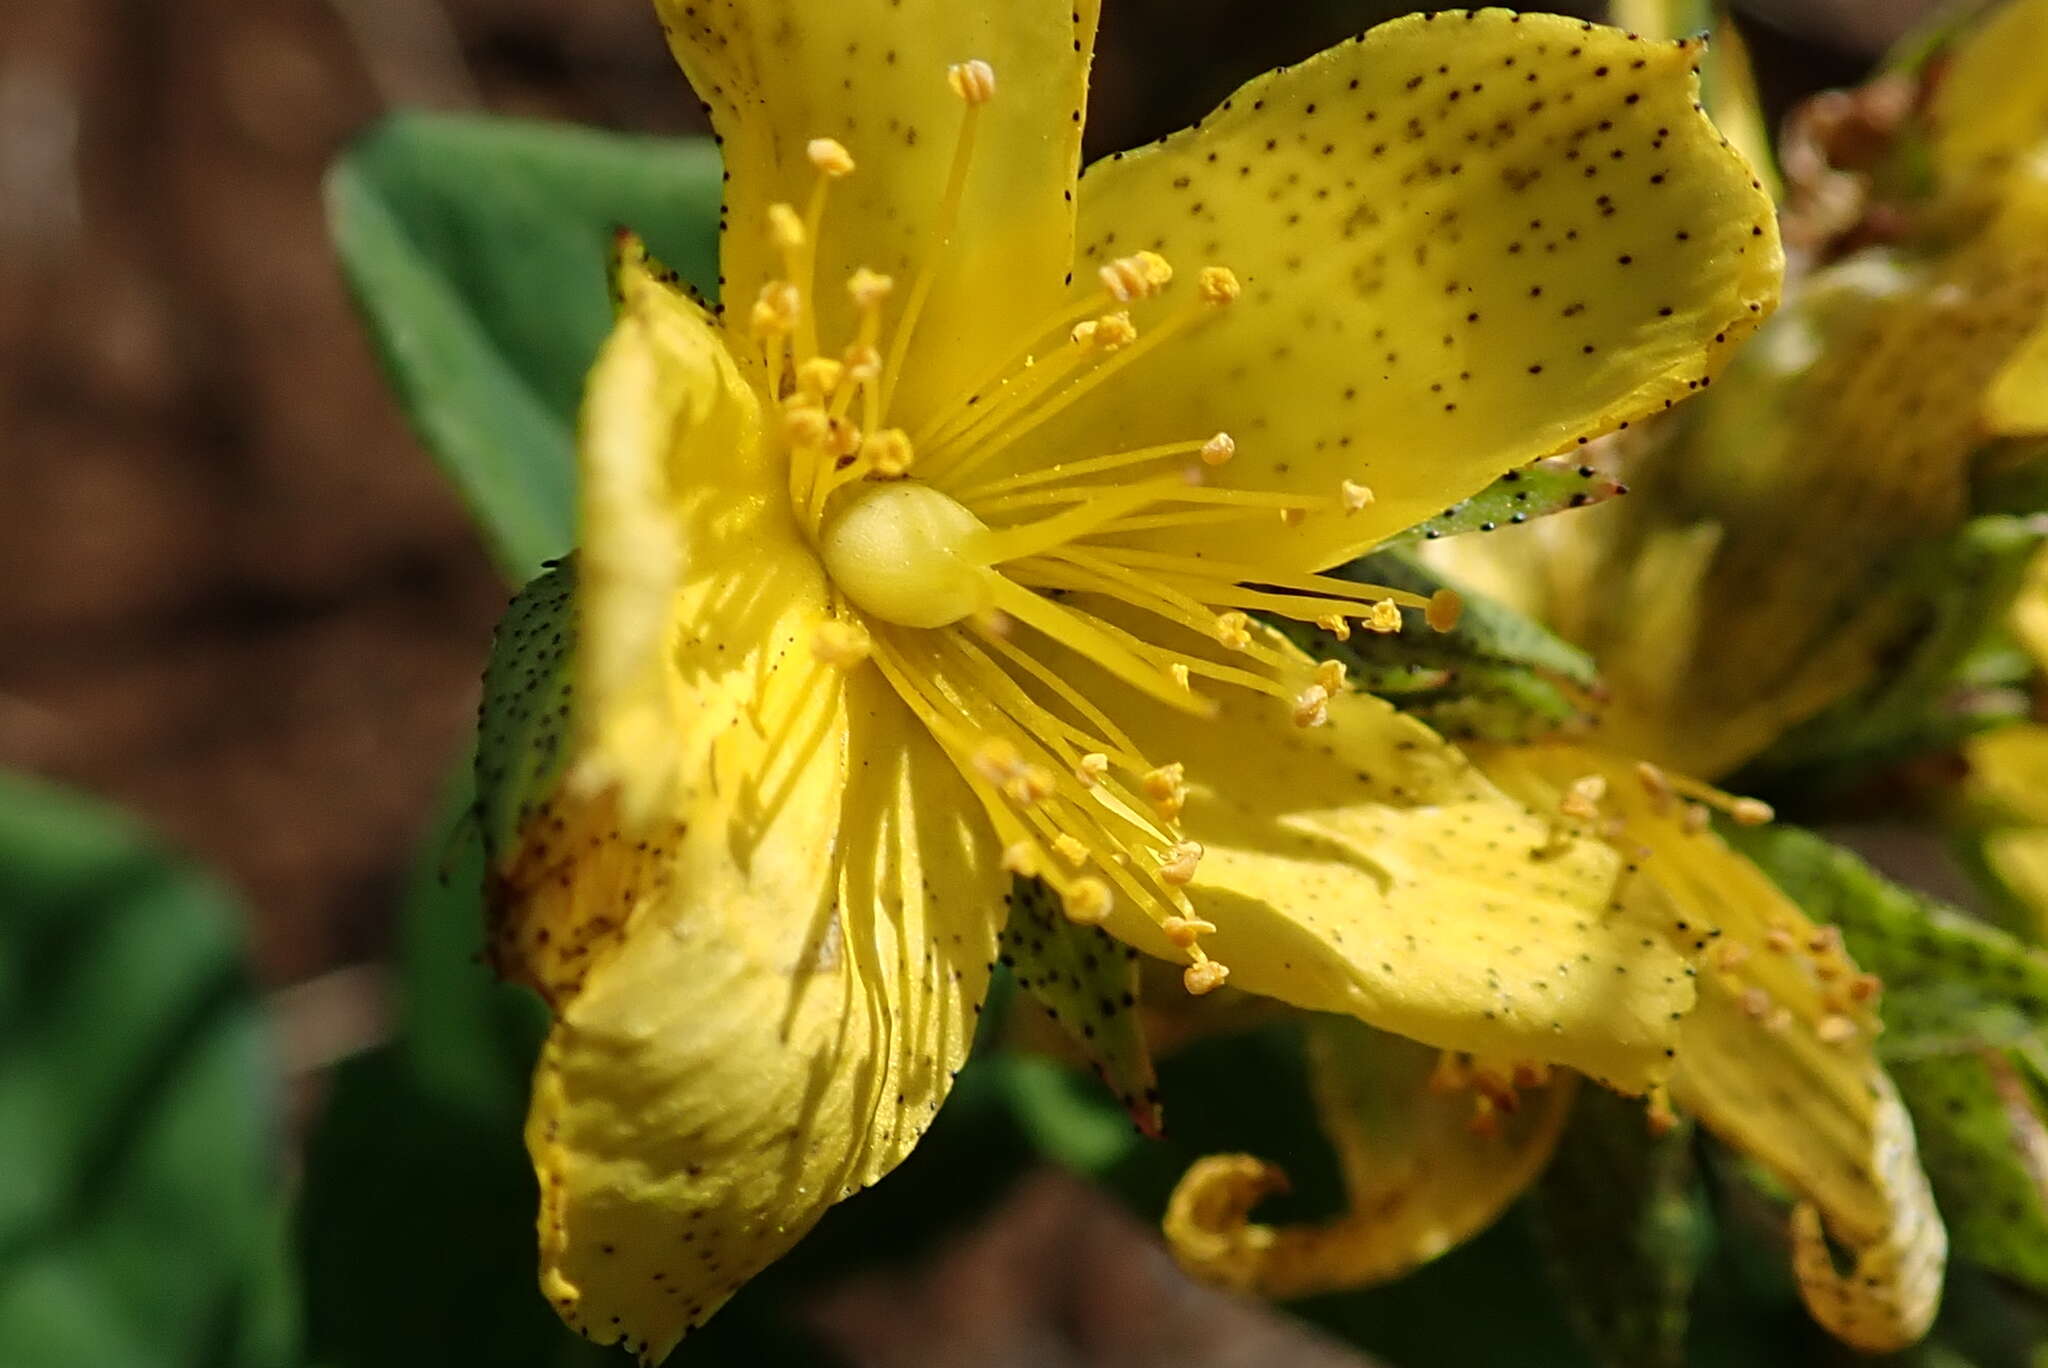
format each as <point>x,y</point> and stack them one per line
<point>1366,868</point>
<point>1420,1177</point>
<point>1465,241</point>
<point>775,74</point>
<point>753,903</point>
<point>1779,1060</point>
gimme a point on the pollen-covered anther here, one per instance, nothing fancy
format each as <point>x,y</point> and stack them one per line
<point>1331,675</point>
<point>1167,787</point>
<point>1730,955</point>
<point>1138,276</point>
<point>1088,901</point>
<point>863,364</point>
<point>1444,610</point>
<point>1178,868</point>
<point>1656,785</point>
<point>830,156</point>
<point>1218,285</point>
<point>997,760</point>
<point>1021,858</point>
<point>1755,1003</point>
<point>1218,449</point>
<point>1336,625</point>
<point>1031,784</point>
<point>1070,850</point>
<point>1750,811</point>
<point>840,643</point>
<point>869,289</point>
<point>974,82</point>
<point>1354,496</point>
<point>1780,939</point>
<point>1090,769</point>
<point>1581,800</point>
<point>890,453</point>
<point>1182,677</point>
<point>1697,819</point>
<point>1836,1029</point>
<point>806,425</point>
<point>1312,706</point>
<point>1204,977</point>
<point>842,437</point>
<point>1233,629</point>
<point>818,378</point>
<point>1185,931</point>
<point>1111,332</point>
<point>777,309</point>
<point>785,227</point>
<point>1865,988</point>
<point>1385,616</point>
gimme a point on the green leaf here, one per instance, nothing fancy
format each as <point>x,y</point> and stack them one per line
<point>1088,982</point>
<point>1982,1139</point>
<point>140,1198</point>
<point>523,719</point>
<point>476,250</point>
<point>1952,984</point>
<point>1497,676</point>
<point>1623,1229</point>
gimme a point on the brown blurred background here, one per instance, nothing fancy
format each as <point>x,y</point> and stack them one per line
<point>234,593</point>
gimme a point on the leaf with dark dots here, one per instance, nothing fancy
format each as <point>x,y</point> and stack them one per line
<point>1088,983</point>
<point>1544,487</point>
<point>523,720</point>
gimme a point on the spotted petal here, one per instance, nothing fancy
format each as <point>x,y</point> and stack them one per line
<point>1420,1177</point>
<point>1465,241</point>
<point>775,74</point>
<point>764,960</point>
<point>1366,868</point>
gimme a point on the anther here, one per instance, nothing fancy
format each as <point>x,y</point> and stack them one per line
<point>1293,517</point>
<point>974,82</point>
<point>1312,706</point>
<point>1354,496</point>
<point>818,377</point>
<point>1185,931</point>
<point>1111,332</point>
<point>1139,276</point>
<point>1864,987</point>
<point>1750,811</point>
<point>869,288</point>
<point>1835,1029</point>
<point>997,760</point>
<point>839,643</point>
<point>1330,674</point>
<point>890,452</point>
<point>1755,1003</point>
<point>1385,616</point>
<point>1218,449</point>
<point>1183,679</point>
<point>1167,787</point>
<point>1091,768</point>
<point>1336,625</point>
<point>1088,901</point>
<point>1178,868</point>
<point>1031,784</point>
<point>777,309</point>
<point>1021,858</point>
<point>1218,285</point>
<point>1070,850</point>
<point>785,227</point>
<point>1445,608</point>
<point>830,156</point>
<point>1205,976</point>
<point>863,364</point>
<point>806,425</point>
<point>1582,797</point>
<point>1656,785</point>
<point>1233,629</point>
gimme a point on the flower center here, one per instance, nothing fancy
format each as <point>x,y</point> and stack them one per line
<point>904,552</point>
<point>975,585</point>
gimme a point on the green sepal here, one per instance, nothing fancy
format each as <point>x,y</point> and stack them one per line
<point>1623,1228</point>
<point>1088,982</point>
<point>523,721</point>
<point>1534,491</point>
<point>1982,1134</point>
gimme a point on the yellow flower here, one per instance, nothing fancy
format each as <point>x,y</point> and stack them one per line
<point>926,565</point>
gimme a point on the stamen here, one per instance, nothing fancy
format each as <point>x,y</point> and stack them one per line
<point>1218,449</point>
<point>1312,707</point>
<point>1353,496</point>
<point>1167,787</point>
<point>1083,635</point>
<point>1204,976</point>
<point>1183,931</point>
<point>975,83</point>
<point>830,156</point>
<point>1178,868</point>
<point>1088,901</point>
<point>1094,465</point>
<point>1443,610</point>
<point>1090,768</point>
<point>1743,811</point>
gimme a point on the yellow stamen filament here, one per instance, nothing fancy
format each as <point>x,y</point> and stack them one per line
<point>1744,811</point>
<point>1094,465</point>
<point>1087,636</point>
<point>975,83</point>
